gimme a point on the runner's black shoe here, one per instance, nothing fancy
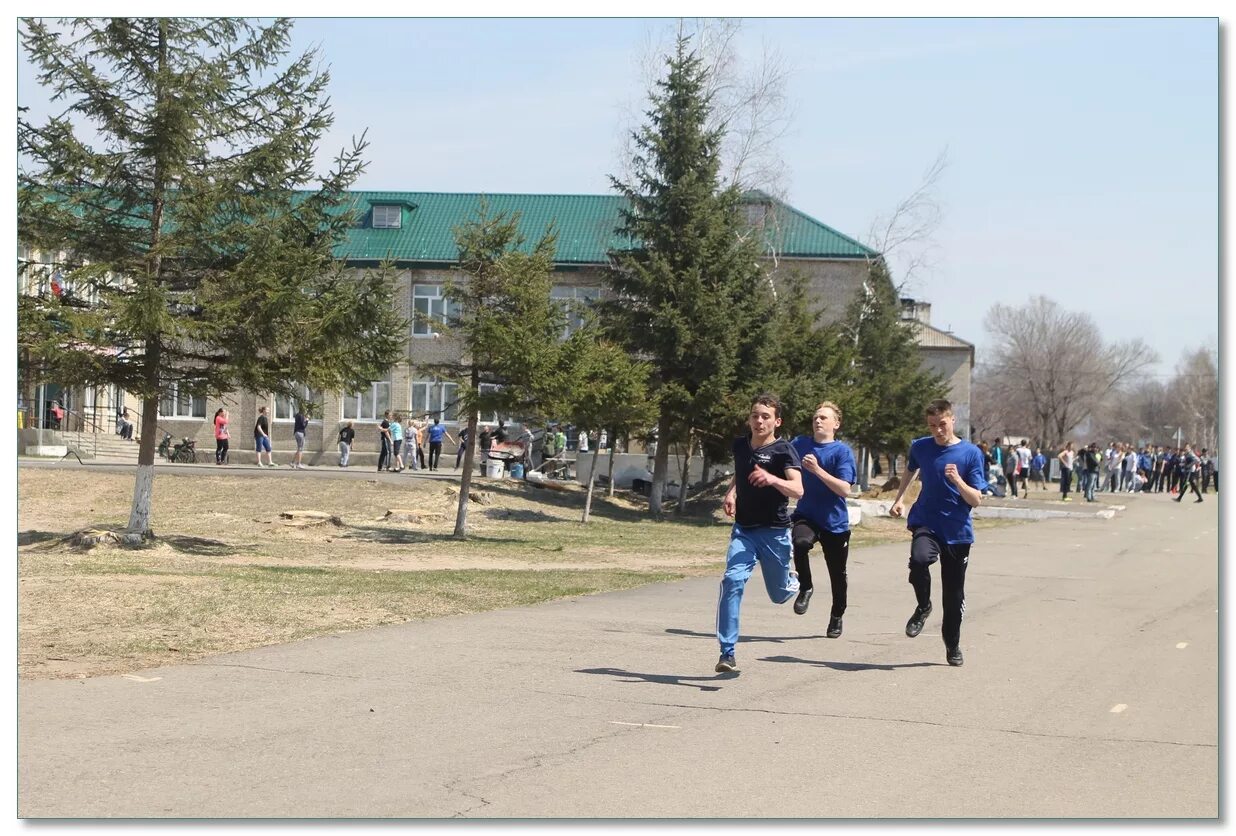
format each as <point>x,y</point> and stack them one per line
<point>726,664</point>
<point>803,600</point>
<point>953,654</point>
<point>915,625</point>
<point>834,627</point>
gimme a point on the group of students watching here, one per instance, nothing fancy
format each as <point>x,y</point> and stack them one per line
<point>1117,468</point>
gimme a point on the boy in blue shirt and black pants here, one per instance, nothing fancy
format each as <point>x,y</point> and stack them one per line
<point>822,516</point>
<point>952,473</point>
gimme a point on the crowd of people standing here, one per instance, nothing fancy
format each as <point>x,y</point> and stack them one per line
<point>1119,467</point>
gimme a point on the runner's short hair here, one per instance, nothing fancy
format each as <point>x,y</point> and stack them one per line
<point>830,405</point>
<point>938,407</point>
<point>770,400</point>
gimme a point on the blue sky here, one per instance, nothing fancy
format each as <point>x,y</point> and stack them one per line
<point>1083,153</point>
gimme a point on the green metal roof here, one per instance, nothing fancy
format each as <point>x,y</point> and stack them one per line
<point>585,226</point>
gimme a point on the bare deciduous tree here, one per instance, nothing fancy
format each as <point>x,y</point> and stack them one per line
<point>1194,393</point>
<point>748,100</point>
<point>1055,362</point>
<point>905,237</point>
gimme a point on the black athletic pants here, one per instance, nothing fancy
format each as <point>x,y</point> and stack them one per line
<point>220,450</point>
<point>385,454</point>
<point>1187,483</point>
<point>925,549</point>
<point>435,453</point>
<point>836,548</point>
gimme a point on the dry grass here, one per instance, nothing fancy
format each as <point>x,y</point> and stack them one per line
<point>229,572</point>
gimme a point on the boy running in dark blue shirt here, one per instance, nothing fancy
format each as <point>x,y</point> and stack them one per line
<point>951,471</point>
<point>822,516</point>
<point>766,473</point>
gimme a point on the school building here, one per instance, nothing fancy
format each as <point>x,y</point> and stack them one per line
<point>414,231</point>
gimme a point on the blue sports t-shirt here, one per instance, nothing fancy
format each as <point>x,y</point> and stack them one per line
<point>396,431</point>
<point>940,507</point>
<point>435,433</point>
<point>764,507</point>
<point>825,509</point>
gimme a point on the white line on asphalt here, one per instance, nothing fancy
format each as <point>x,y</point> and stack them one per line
<point>1181,645</point>
<point>643,725</point>
<point>137,678</point>
<point>1119,707</point>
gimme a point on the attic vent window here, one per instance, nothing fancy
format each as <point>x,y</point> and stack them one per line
<point>755,213</point>
<point>387,217</point>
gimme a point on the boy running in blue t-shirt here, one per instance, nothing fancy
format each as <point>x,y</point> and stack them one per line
<point>951,471</point>
<point>821,515</point>
<point>766,474</point>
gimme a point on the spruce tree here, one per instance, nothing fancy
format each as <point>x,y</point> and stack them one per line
<point>691,299</point>
<point>180,181</point>
<point>507,329</point>
<point>608,388</point>
<point>893,387</point>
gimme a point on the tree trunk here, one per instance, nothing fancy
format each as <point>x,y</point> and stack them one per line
<point>686,474</point>
<point>465,481</point>
<point>613,447</point>
<point>660,465</point>
<point>592,469</point>
<point>143,488</point>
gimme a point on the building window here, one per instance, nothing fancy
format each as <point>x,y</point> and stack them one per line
<point>755,214</point>
<point>38,268</point>
<point>387,217</point>
<point>492,417</point>
<point>575,301</point>
<point>434,398</point>
<point>285,407</point>
<point>179,403</point>
<point>429,308</point>
<point>368,404</point>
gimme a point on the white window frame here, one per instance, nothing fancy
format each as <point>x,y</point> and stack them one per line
<point>436,308</point>
<point>493,417</point>
<point>360,400</point>
<point>303,394</point>
<point>571,298</point>
<point>37,279</point>
<point>437,399</point>
<point>182,404</point>
<point>387,216</point>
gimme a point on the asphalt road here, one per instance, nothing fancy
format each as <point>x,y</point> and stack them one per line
<point>1090,689</point>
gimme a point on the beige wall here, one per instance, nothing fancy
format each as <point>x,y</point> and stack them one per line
<point>832,285</point>
<point>955,366</point>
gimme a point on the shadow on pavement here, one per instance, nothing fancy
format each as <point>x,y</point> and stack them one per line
<point>849,666</point>
<point>741,639</point>
<point>661,678</point>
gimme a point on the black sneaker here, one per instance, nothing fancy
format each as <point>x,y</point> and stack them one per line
<point>1199,499</point>
<point>953,654</point>
<point>915,625</point>
<point>803,600</point>
<point>726,664</point>
<point>834,627</point>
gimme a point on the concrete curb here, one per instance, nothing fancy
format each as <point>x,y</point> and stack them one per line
<point>879,508</point>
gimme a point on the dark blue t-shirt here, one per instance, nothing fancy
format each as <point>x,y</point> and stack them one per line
<point>435,433</point>
<point>764,507</point>
<point>301,423</point>
<point>939,506</point>
<point>819,504</point>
